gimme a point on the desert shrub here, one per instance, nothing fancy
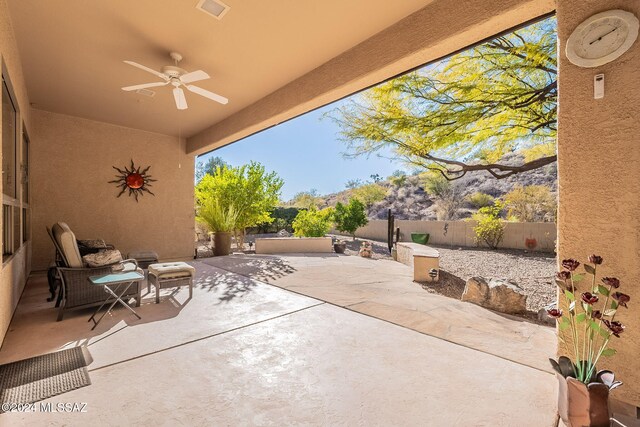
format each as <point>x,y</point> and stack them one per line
<point>398,178</point>
<point>350,217</point>
<point>306,199</point>
<point>533,203</point>
<point>489,229</point>
<point>448,194</point>
<point>447,209</point>
<point>369,194</point>
<point>313,223</point>
<point>480,200</point>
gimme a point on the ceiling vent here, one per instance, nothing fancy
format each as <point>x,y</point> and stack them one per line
<point>215,8</point>
<point>146,92</point>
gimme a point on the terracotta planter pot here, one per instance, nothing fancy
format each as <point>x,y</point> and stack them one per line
<point>581,405</point>
<point>530,243</point>
<point>339,248</point>
<point>222,243</point>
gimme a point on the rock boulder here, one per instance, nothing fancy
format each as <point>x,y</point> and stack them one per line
<point>496,294</point>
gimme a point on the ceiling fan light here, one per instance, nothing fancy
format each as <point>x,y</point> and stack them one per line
<point>215,8</point>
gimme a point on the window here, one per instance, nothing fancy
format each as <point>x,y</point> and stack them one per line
<point>15,180</point>
<point>9,133</point>
<point>26,222</point>
<point>24,168</point>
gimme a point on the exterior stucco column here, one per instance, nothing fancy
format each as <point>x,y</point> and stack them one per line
<point>599,177</point>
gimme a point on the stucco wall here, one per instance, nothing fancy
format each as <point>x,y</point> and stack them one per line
<point>14,272</point>
<point>460,233</point>
<point>599,176</point>
<point>72,161</point>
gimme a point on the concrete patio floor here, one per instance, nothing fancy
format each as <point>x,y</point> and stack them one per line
<point>385,289</point>
<point>244,352</point>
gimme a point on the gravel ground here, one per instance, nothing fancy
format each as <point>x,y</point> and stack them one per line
<point>532,271</point>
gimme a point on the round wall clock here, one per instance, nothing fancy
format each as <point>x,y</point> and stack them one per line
<point>602,38</point>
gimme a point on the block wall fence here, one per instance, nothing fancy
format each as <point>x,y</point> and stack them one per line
<point>460,233</point>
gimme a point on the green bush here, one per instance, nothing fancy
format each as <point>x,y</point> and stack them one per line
<point>350,217</point>
<point>489,229</point>
<point>217,217</point>
<point>250,189</point>
<point>282,220</point>
<point>313,223</point>
<point>480,200</point>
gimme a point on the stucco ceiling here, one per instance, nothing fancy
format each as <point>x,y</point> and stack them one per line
<point>72,52</point>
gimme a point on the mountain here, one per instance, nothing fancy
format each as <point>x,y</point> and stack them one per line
<point>411,201</point>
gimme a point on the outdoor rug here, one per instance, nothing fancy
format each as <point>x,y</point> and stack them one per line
<point>41,377</point>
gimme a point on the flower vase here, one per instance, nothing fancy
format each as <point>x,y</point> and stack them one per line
<point>583,405</point>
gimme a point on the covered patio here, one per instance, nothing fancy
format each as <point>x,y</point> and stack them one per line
<point>325,351</point>
<point>289,338</point>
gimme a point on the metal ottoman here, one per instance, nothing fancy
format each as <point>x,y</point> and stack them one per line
<point>171,275</point>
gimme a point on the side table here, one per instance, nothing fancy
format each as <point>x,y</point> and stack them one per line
<point>122,282</point>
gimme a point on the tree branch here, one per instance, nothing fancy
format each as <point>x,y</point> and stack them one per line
<point>498,171</point>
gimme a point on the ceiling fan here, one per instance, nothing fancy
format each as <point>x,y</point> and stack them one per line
<point>178,78</point>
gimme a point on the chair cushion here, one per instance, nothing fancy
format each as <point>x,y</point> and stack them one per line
<point>167,270</point>
<point>68,245</point>
<point>102,258</point>
<point>94,244</point>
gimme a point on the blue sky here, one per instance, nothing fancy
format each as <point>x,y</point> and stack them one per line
<point>306,153</point>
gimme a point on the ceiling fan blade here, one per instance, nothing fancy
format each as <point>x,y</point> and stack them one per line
<point>148,70</point>
<point>207,94</point>
<point>145,85</point>
<point>181,101</point>
<point>194,76</point>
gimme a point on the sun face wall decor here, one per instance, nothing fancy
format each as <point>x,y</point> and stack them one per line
<point>133,179</point>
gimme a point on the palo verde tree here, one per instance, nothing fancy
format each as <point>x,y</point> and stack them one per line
<point>466,112</point>
<point>348,218</point>
<point>250,189</point>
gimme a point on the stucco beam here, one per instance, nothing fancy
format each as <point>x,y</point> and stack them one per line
<point>438,29</point>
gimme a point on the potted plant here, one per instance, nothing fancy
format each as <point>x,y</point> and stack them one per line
<point>221,220</point>
<point>583,393</point>
<point>339,246</point>
<point>422,238</point>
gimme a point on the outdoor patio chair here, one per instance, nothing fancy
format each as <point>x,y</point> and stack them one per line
<point>76,291</point>
<point>85,247</point>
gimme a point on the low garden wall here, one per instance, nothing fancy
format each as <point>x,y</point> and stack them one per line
<point>460,233</point>
<point>283,245</point>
